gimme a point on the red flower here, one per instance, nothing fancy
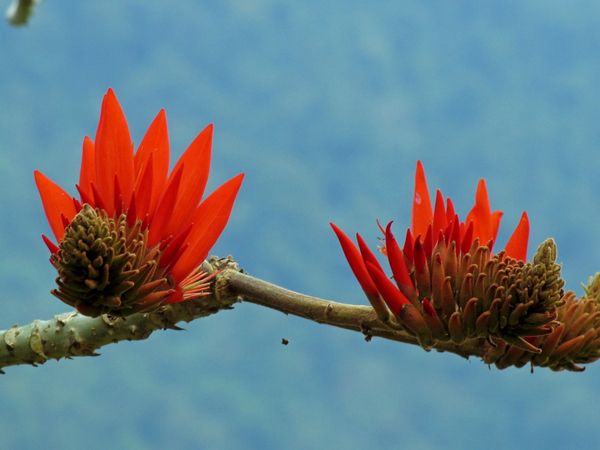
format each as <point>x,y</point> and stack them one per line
<point>431,224</point>
<point>160,227</point>
<point>435,246</point>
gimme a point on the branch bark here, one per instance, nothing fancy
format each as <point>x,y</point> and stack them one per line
<point>20,11</point>
<point>71,334</point>
<point>350,317</point>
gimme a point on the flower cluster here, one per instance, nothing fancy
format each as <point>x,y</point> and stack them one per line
<point>135,238</point>
<point>574,341</point>
<point>450,286</point>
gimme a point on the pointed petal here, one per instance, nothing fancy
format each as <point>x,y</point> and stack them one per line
<point>163,211</point>
<point>173,248</point>
<point>193,181</point>
<point>422,213</point>
<point>396,259</point>
<point>143,189</point>
<point>355,261</point>
<point>155,147</point>
<point>209,221</point>
<point>495,219</point>
<point>390,293</point>
<point>440,222</point>
<point>87,175</point>
<point>56,203</point>
<point>481,215</point>
<point>409,244</point>
<point>467,239</point>
<point>367,254</point>
<point>517,244</point>
<point>51,245</point>
<point>114,152</point>
<point>449,210</point>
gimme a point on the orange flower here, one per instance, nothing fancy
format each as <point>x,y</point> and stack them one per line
<point>139,242</point>
<point>432,224</point>
<point>430,228</point>
<point>448,283</point>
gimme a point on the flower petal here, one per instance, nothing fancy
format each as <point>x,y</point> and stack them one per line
<point>114,153</point>
<point>440,221</point>
<point>517,244</point>
<point>481,215</point>
<point>87,175</point>
<point>390,293</point>
<point>144,191</point>
<point>155,147</point>
<point>209,221</point>
<point>422,213</point>
<point>193,181</point>
<point>56,203</point>
<point>367,254</point>
<point>396,259</point>
<point>163,210</point>
<point>356,262</point>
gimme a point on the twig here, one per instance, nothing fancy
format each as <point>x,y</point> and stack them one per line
<point>72,334</point>
<point>20,11</point>
<point>350,317</point>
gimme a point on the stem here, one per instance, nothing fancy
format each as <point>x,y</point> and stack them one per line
<point>72,334</point>
<point>19,11</point>
<point>350,317</point>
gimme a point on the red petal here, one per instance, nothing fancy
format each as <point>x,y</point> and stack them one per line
<point>428,308</point>
<point>171,250</point>
<point>496,218</point>
<point>209,221</point>
<point>517,244</point>
<point>390,293</point>
<point>87,175</point>
<point>467,239</point>
<point>132,212</point>
<point>367,254</point>
<point>455,236</point>
<point>420,258</point>
<point>355,261</point>
<point>396,259</point>
<point>164,209</point>
<point>422,213</point>
<point>155,147</point>
<point>98,200</point>
<point>56,203</point>
<point>409,244</point>
<point>440,222</point>
<point>449,210</point>
<point>193,181</point>
<point>144,188</point>
<point>114,152</point>
<point>481,215</point>
<point>428,242</point>
<point>51,245</point>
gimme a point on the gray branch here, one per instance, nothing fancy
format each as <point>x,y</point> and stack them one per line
<point>71,334</point>
<point>19,11</point>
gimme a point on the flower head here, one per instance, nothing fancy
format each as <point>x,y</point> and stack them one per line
<point>448,283</point>
<point>136,236</point>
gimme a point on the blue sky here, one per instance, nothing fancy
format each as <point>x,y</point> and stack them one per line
<point>326,106</point>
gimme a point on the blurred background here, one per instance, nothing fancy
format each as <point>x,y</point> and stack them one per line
<point>326,106</point>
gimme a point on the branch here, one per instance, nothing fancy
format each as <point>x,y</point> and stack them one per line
<point>19,11</point>
<point>72,334</point>
<point>350,317</point>
<point>575,340</point>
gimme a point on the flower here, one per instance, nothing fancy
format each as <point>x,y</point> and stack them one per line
<point>448,283</point>
<point>137,235</point>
